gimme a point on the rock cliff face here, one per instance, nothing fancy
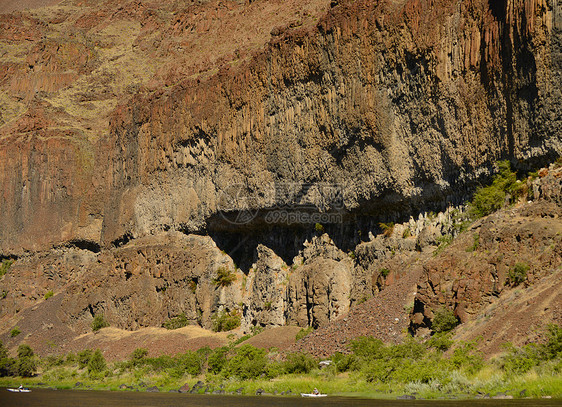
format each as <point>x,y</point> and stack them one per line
<point>144,147</point>
<point>398,103</point>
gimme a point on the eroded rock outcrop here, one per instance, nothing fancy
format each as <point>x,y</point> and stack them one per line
<point>481,264</point>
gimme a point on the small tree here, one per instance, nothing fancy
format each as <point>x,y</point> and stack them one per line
<point>26,361</point>
<point>99,322</point>
<point>7,364</point>
<point>97,363</point>
<point>84,357</point>
<point>138,355</point>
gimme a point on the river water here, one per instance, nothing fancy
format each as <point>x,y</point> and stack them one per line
<point>72,398</point>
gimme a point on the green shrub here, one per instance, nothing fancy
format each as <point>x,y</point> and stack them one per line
<point>299,362</point>
<point>444,242</point>
<point>384,272</point>
<point>553,348</point>
<point>518,273</point>
<point>367,347</point>
<point>226,321</point>
<point>99,322</point>
<point>440,341</point>
<point>520,360</point>
<point>97,363</point>
<point>5,266</point>
<point>15,332</point>
<point>224,278</point>
<point>344,362</point>
<point>176,322</point>
<point>319,228</point>
<point>160,363</point>
<point>491,198</point>
<point>444,320</point>
<point>84,357</point>
<point>49,294</point>
<point>26,364</point>
<point>247,363</point>
<point>303,332</point>
<point>467,358</point>
<point>217,360</point>
<point>7,364</point>
<point>53,361</point>
<point>189,362</point>
<point>138,356</point>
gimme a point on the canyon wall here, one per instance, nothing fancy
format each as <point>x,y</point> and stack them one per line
<point>399,104</point>
<point>128,200</point>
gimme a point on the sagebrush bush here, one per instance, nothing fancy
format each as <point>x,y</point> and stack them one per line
<point>226,321</point>
<point>299,362</point>
<point>97,363</point>
<point>176,322</point>
<point>444,320</point>
<point>518,273</point>
<point>491,198</point>
<point>99,322</point>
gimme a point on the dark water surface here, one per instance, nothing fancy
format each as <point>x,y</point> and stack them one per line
<point>71,398</point>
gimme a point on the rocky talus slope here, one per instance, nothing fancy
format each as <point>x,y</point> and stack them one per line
<point>149,147</point>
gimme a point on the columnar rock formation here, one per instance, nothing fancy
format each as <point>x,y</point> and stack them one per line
<point>141,151</point>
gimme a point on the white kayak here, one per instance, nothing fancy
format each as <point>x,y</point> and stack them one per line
<point>20,390</point>
<point>313,395</point>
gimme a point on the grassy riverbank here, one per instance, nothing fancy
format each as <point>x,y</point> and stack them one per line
<point>489,382</point>
<point>437,368</point>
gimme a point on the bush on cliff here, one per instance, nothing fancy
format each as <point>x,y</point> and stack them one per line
<point>491,198</point>
<point>518,273</point>
<point>303,332</point>
<point>176,322</point>
<point>226,321</point>
<point>444,320</point>
<point>99,322</point>
<point>5,266</point>
<point>224,278</point>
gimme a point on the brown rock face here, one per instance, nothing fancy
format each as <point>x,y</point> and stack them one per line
<point>134,136</point>
<point>367,99</point>
<point>480,265</point>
